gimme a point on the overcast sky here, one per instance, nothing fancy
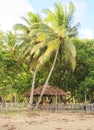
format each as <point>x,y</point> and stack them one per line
<point>11,12</point>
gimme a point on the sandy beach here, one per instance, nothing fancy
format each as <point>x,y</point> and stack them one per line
<point>47,121</point>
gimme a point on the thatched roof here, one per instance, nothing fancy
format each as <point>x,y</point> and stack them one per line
<point>50,91</point>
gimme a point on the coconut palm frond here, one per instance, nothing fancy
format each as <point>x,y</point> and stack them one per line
<point>52,46</point>
<point>70,52</point>
<point>73,31</point>
<point>37,47</point>
<point>21,27</point>
<point>59,14</point>
<point>69,15</point>
<point>22,54</point>
<point>50,16</point>
<point>55,15</point>
<point>25,51</point>
<point>25,19</point>
<point>41,36</point>
<point>46,36</point>
<point>34,17</point>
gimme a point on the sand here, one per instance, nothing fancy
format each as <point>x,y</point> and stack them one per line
<point>47,121</point>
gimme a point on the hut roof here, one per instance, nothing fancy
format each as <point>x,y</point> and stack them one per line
<point>50,91</point>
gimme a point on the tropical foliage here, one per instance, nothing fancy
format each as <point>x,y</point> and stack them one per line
<point>45,51</point>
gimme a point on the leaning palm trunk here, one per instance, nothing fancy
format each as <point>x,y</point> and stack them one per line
<point>47,80</point>
<point>32,88</point>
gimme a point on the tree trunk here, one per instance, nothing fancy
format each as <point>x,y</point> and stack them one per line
<point>47,80</point>
<point>85,97</point>
<point>32,88</point>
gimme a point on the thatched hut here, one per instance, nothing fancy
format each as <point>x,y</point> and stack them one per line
<point>51,93</point>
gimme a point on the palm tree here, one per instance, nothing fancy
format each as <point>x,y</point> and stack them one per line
<point>27,42</point>
<point>10,43</point>
<point>57,31</point>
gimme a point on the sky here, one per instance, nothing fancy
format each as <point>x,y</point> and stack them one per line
<point>11,12</point>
